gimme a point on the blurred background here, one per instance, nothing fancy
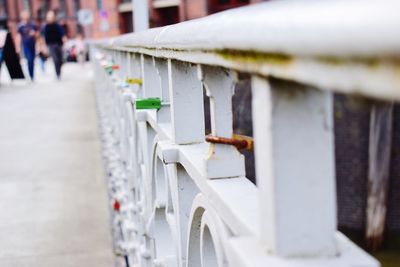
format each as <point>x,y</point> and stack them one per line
<point>106,18</point>
<point>94,19</point>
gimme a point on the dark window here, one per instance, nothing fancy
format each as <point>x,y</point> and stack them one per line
<point>26,5</point>
<point>165,16</point>
<point>3,9</point>
<point>77,6</point>
<point>127,22</point>
<point>99,4</point>
<point>220,5</point>
<point>46,5</point>
<point>62,12</point>
<point>41,13</point>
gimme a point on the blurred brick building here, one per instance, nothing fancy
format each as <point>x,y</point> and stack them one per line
<point>111,17</point>
<point>165,12</point>
<point>105,14</point>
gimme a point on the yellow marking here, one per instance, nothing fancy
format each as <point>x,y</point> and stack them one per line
<point>134,81</point>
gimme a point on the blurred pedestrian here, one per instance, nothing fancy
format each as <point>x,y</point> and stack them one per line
<point>55,37</point>
<point>43,54</point>
<point>80,48</point>
<point>26,38</point>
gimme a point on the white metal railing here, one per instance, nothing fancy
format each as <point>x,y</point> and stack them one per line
<point>181,201</point>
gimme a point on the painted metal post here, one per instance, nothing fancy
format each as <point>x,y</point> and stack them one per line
<point>151,78</point>
<point>186,96</point>
<point>222,160</point>
<point>140,13</point>
<point>164,114</point>
<point>295,168</point>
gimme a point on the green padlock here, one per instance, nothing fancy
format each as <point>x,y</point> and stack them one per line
<point>148,103</point>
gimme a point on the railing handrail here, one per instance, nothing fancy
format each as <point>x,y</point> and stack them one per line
<point>295,28</point>
<point>293,40</point>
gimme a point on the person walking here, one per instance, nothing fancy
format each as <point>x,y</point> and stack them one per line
<point>80,48</point>
<point>55,37</point>
<point>26,38</point>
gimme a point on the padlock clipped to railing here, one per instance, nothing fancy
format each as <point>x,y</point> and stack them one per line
<point>148,103</point>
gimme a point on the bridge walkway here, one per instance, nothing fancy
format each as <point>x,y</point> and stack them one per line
<point>53,200</point>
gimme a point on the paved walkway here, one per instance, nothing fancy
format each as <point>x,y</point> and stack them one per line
<point>53,204</point>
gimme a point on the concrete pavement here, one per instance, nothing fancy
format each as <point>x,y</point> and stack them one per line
<point>53,202</point>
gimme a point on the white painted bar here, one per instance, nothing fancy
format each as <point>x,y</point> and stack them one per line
<point>186,98</point>
<point>164,114</point>
<point>222,160</point>
<point>364,29</point>
<point>151,79</point>
<point>259,39</point>
<point>295,168</point>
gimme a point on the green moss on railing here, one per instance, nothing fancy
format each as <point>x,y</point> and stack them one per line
<point>255,57</point>
<point>368,61</point>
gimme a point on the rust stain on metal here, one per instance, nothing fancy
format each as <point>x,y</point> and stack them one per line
<point>238,141</point>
